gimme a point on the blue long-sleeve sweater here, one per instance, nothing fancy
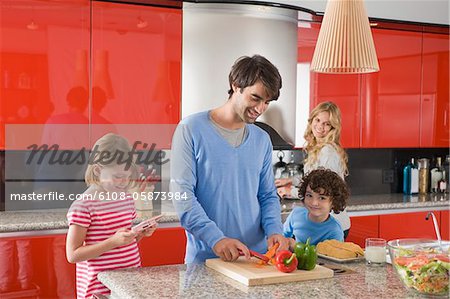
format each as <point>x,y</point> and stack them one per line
<point>230,191</point>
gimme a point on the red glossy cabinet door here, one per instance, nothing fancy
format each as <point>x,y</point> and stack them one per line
<point>445,225</point>
<point>391,97</point>
<point>43,47</point>
<point>407,225</point>
<point>363,227</point>
<point>344,90</point>
<point>136,53</point>
<point>167,246</point>
<point>36,267</point>
<point>435,91</point>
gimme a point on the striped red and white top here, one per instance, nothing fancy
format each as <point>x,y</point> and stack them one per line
<point>103,218</point>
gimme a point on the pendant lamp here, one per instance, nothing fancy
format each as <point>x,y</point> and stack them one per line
<point>345,44</point>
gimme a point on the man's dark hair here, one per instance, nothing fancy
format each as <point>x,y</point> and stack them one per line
<point>246,71</point>
<point>329,183</point>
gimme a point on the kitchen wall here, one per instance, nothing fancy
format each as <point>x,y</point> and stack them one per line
<point>374,171</point>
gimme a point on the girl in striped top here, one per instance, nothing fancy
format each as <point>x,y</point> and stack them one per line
<point>100,236</point>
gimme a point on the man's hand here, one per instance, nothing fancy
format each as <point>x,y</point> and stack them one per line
<point>228,249</point>
<point>277,238</point>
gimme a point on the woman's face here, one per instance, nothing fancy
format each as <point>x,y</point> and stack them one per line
<point>321,125</point>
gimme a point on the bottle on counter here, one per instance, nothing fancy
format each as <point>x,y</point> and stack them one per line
<point>424,175</point>
<point>442,184</point>
<point>436,175</point>
<point>410,178</point>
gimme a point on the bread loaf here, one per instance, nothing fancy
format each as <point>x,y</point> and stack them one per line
<point>338,249</point>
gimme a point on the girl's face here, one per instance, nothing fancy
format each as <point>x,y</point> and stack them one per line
<point>318,205</point>
<point>114,178</point>
<point>321,125</point>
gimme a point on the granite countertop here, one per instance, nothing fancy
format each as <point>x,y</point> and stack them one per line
<point>385,202</point>
<point>55,219</point>
<point>198,281</point>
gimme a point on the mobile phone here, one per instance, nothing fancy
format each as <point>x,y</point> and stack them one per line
<point>146,224</point>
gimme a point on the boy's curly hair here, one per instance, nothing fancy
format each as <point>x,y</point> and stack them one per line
<point>329,183</point>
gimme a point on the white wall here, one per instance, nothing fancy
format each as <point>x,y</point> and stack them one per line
<point>215,35</point>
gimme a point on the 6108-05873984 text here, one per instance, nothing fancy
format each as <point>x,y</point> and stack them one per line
<point>57,196</point>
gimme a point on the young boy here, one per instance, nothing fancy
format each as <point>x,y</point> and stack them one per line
<point>321,191</point>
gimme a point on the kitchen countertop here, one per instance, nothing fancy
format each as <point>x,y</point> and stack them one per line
<point>198,281</point>
<point>55,219</point>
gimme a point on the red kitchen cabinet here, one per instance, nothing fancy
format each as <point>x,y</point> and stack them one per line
<point>434,129</point>
<point>35,267</point>
<point>45,273</point>
<point>41,52</point>
<point>445,225</point>
<point>136,54</point>
<point>391,107</point>
<point>343,90</point>
<point>363,227</point>
<point>407,225</point>
<point>167,246</point>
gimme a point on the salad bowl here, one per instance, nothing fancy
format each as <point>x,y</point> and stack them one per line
<point>422,265</point>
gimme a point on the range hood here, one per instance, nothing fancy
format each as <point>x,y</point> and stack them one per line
<point>278,142</point>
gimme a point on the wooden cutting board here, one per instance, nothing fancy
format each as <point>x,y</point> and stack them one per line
<point>252,274</point>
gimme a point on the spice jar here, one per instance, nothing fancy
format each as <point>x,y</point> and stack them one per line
<point>424,175</point>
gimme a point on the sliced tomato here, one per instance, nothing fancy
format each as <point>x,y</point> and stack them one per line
<point>442,257</point>
<point>403,260</point>
<point>414,262</point>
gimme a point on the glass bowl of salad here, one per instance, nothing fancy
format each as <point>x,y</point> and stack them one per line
<point>422,265</point>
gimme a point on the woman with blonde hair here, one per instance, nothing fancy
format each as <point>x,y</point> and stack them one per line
<point>323,150</point>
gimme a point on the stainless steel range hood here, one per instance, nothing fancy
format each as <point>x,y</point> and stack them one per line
<point>278,142</point>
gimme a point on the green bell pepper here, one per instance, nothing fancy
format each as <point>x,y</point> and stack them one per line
<point>306,255</point>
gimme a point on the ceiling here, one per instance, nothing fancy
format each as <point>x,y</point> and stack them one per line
<point>423,11</point>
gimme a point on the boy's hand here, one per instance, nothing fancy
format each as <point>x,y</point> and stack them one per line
<point>123,237</point>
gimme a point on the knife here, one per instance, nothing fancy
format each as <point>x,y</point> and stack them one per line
<point>256,255</point>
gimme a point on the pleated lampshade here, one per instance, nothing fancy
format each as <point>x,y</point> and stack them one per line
<point>345,44</point>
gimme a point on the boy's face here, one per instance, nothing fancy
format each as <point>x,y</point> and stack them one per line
<point>318,205</point>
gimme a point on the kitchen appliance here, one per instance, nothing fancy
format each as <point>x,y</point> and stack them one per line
<point>280,166</point>
<point>251,274</point>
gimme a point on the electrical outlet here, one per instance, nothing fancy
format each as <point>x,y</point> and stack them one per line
<point>388,176</point>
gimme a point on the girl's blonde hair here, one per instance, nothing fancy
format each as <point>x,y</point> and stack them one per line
<point>313,145</point>
<point>110,150</point>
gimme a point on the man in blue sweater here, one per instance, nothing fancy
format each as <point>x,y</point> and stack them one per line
<point>221,164</point>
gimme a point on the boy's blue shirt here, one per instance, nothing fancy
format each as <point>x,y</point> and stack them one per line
<point>298,224</point>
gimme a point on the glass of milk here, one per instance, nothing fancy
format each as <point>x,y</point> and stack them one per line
<point>375,252</point>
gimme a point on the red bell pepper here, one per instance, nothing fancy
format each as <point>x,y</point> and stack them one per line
<point>286,261</point>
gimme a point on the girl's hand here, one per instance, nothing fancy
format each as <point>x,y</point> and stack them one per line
<point>123,237</point>
<point>146,232</point>
<point>149,231</point>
